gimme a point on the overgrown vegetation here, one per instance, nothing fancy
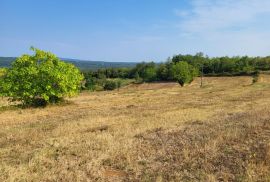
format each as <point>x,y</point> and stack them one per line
<point>40,79</point>
<point>112,84</point>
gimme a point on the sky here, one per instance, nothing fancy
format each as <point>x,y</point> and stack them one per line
<point>135,30</point>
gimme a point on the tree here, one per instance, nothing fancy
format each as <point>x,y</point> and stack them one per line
<point>182,72</point>
<point>162,72</point>
<point>40,77</point>
<point>149,74</point>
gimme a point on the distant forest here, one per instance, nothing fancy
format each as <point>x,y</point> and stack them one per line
<point>217,66</point>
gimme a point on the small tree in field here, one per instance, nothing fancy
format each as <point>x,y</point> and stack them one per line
<point>183,73</point>
<point>40,79</point>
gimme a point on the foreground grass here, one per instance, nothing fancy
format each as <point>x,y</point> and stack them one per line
<point>148,132</point>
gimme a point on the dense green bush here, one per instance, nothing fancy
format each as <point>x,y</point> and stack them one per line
<point>90,83</point>
<point>111,85</point>
<point>40,79</point>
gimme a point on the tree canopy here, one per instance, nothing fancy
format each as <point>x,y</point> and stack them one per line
<point>42,77</point>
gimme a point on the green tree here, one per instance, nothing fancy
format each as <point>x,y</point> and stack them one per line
<point>182,72</point>
<point>162,72</point>
<point>40,77</point>
<point>149,74</point>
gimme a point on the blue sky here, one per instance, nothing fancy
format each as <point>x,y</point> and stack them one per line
<point>135,30</point>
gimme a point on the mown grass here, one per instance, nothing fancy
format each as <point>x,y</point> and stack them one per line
<point>144,132</point>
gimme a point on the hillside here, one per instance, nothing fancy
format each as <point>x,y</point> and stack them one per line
<point>82,64</point>
<point>146,132</point>
<point>6,61</point>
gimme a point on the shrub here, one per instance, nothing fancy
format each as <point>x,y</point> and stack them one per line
<point>40,78</point>
<point>255,77</point>
<point>110,85</point>
<point>90,83</point>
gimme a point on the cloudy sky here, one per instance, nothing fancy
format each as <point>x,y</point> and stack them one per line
<point>135,30</point>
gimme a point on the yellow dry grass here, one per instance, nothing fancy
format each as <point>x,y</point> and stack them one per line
<point>148,132</point>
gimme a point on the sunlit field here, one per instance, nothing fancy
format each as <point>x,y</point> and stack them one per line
<point>143,132</point>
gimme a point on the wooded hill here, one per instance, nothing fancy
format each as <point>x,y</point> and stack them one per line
<point>82,64</point>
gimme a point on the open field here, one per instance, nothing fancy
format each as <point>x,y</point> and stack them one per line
<point>148,132</point>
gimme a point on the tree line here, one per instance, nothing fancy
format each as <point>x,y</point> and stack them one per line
<point>182,72</point>
<point>181,68</point>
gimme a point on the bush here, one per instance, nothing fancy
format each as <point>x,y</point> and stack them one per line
<point>110,85</point>
<point>255,77</point>
<point>90,83</point>
<point>40,78</point>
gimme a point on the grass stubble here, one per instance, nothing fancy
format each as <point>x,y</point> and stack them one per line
<point>148,132</point>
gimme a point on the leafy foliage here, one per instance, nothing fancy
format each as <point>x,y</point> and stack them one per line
<point>111,85</point>
<point>41,77</point>
<point>182,72</point>
<point>224,66</point>
<point>175,69</point>
<point>2,72</point>
<point>149,74</point>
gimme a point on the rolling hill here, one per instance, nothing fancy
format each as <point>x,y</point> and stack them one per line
<point>82,64</point>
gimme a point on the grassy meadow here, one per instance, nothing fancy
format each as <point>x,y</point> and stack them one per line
<point>143,132</point>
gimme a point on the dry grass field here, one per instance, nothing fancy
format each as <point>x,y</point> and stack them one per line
<point>149,132</point>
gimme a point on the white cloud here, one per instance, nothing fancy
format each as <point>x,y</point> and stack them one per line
<point>181,13</point>
<point>229,27</point>
<point>215,15</point>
